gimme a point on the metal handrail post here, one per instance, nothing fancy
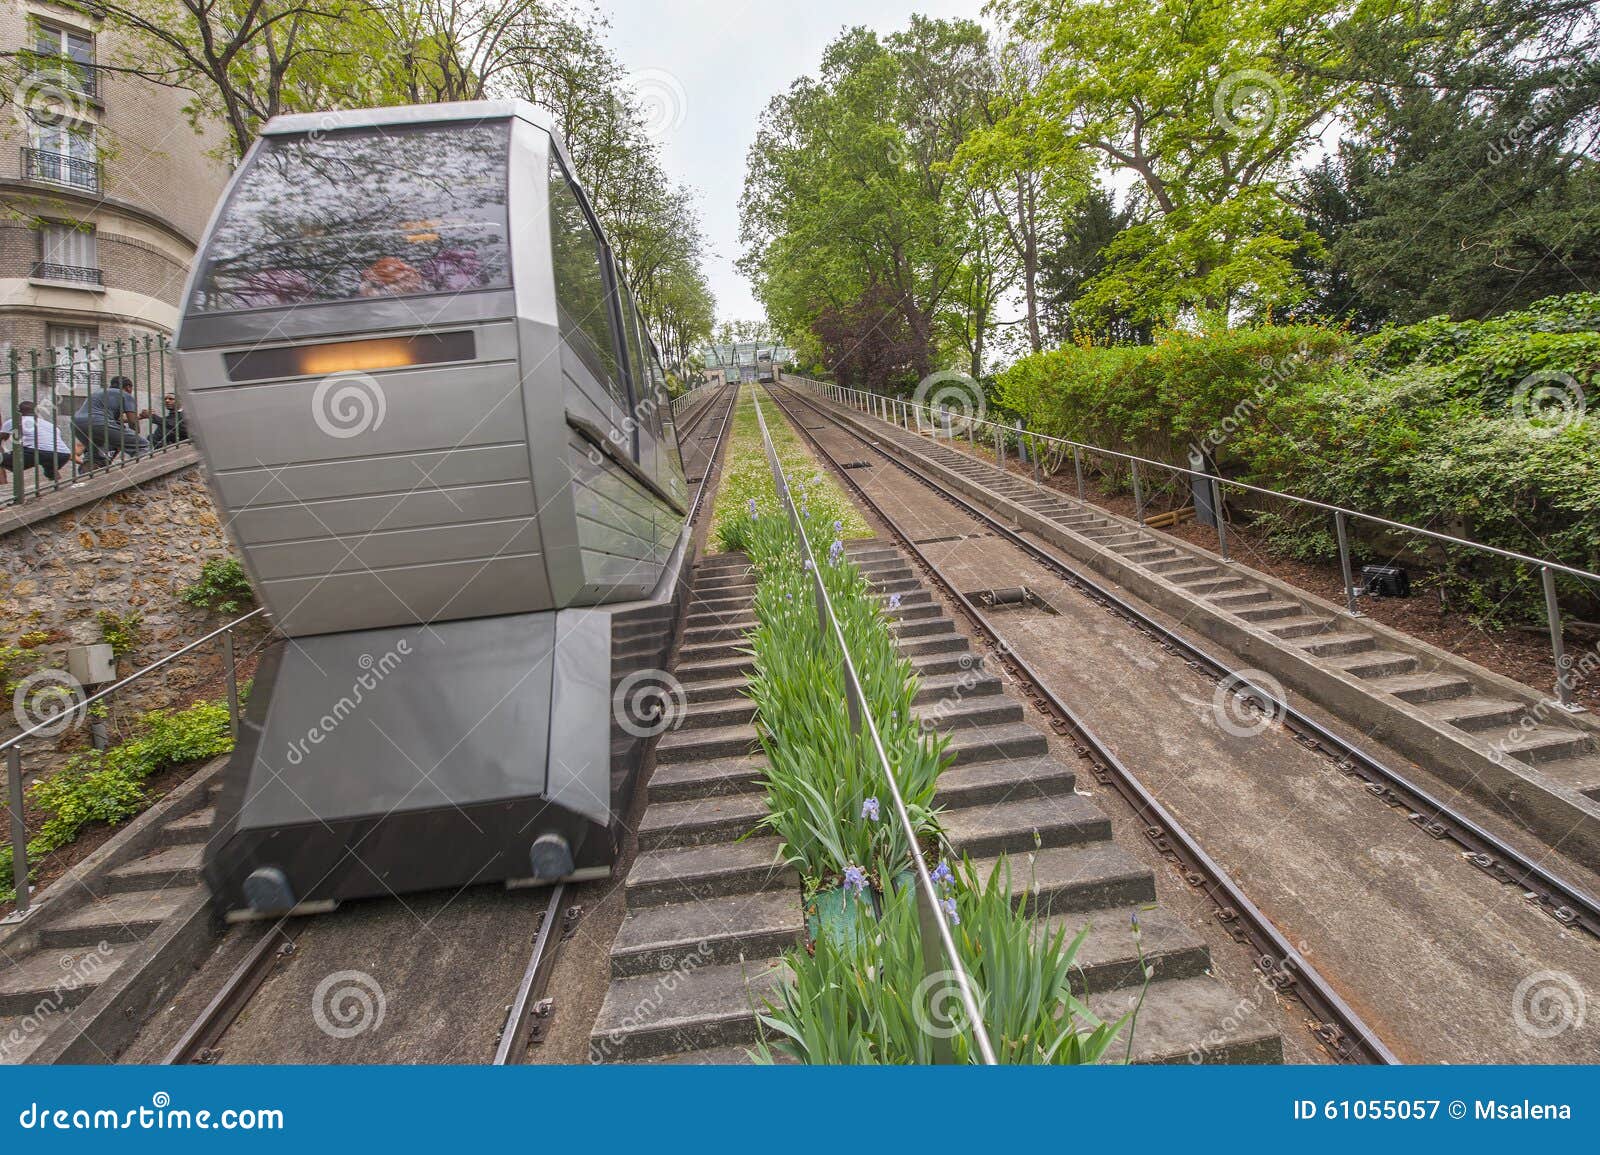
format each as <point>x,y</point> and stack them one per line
<point>19,832</point>
<point>233,683</point>
<point>1033,441</point>
<point>1077,467</point>
<point>1342,532</point>
<point>1558,648</point>
<point>1222,522</point>
<point>999,449</point>
<point>1138,495</point>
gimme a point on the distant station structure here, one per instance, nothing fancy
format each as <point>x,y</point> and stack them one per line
<point>742,361</point>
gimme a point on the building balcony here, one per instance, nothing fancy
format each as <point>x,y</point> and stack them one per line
<point>73,274</point>
<point>58,168</point>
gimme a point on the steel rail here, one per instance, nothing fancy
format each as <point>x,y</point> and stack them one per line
<point>521,1015</point>
<point>1282,966</point>
<point>197,1043</point>
<point>930,911</point>
<point>1565,901</point>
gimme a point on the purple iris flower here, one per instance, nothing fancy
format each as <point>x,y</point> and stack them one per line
<point>752,507</point>
<point>894,601</point>
<point>942,875</point>
<point>869,809</point>
<point>949,905</point>
<point>855,879</point>
<point>835,552</point>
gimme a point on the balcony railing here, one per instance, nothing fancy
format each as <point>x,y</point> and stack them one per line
<point>59,168</point>
<point>73,76</point>
<point>77,274</point>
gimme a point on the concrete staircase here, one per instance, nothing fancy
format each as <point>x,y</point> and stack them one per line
<point>709,915</point>
<point>110,937</point>
<point>1557,747</point>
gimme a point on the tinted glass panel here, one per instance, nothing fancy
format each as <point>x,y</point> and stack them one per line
<point>374,213</point>
<point>583,302</point>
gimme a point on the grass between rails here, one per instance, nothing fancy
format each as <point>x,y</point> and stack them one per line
<point>862,990</point>
<point>746,477</point>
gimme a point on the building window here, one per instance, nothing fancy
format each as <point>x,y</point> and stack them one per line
<point>68,252</point>
<point>75,359</point>
<point>64,56</point>
<point>63,152</point>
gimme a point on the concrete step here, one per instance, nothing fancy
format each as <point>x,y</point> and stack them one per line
<point>721,627</point>
<point>649,1016</point>
<point>1375,663</point>
<point>174,866</point>
<point>1420,688</point>
<point>1196,1020</point>
<point>713,691</point>
<point>1300,627</point>
<point>195,827</point>
<point>1003,780</point>
<point>706,743</point>
<point>682,781</point>
<point>692,874</point>
<point>117,918</point>
<point>1549,744</point>
<point>1269,611</point>
<point>1235,600</point>
<point>1015,740</point>
<point>1025,824</point>
<point>1479,713</point>
<point>1337,645</point>
<point>716,931</point>
<point>1110,955</point>
<point>50,981</point>
<point>1215,585</point>
<point>1069,878</point>
<point>943,638</point>
<point>698,821</point>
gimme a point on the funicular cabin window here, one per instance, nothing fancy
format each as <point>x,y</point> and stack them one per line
<point>370,213</point>
<point>583,300</point>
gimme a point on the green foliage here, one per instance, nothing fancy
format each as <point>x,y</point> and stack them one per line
<point>15,661</point>
<point>222,586</point>
<point>864,998</point>
<point>1432,424</point>
<point>122,632</point>
<point>108,785</point>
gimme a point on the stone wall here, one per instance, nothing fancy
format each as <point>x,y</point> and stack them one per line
<point>132,550</point>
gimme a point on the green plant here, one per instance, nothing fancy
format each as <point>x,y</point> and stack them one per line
<point>222,586</point>
<point>108,785</point>
<point>867,998</point>
<point>14,662</point>
<point>33,639</point>
<point>122,632</point>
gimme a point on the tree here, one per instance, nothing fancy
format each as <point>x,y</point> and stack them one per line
<point>1194,98</point>
<point>846,192</point>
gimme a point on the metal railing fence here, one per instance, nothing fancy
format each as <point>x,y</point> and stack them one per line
<point>78,708</point>
<point>906,413</point>
<point>937,939</point>
<point>58,383</point>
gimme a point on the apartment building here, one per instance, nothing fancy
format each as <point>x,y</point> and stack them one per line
<point>105,186</point>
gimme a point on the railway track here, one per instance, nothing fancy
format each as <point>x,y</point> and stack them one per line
<point>1282,964</point>
<point>702,436</point>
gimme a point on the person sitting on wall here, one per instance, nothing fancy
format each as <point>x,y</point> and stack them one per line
<point>108,422</point>
<point>38,442</point>
<point>169,426</point>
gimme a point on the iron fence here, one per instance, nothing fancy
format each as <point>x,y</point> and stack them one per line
<point>52,438</point>
<point>914,416</point>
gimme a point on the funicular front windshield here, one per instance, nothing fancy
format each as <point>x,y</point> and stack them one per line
<point>369,213</point>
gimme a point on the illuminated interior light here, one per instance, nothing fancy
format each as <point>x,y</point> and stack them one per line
<point>368,356</point>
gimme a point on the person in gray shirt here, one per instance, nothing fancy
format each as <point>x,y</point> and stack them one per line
<point>108,422</point>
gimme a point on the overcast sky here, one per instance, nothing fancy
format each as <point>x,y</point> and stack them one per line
<point>706,69</point>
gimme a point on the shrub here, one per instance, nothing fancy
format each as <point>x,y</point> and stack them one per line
<point>1416,423</point>
<point>122,632</point>
<point>222,586</point>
